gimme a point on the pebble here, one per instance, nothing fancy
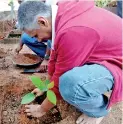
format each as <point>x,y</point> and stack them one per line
<point>5,112</point>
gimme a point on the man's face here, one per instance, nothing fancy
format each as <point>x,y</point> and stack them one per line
<point>44,32</point>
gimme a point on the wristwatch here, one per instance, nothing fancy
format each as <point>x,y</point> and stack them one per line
<point>46,57</point>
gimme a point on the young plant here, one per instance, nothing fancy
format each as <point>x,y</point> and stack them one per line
<point>44,86</point>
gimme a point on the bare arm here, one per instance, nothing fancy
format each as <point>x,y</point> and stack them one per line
<point>19,47</point>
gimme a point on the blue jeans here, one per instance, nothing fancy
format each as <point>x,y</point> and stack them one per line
<point>119,8</point>
<point>84,88</point>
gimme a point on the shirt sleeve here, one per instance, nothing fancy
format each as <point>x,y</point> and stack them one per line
<point>73,50</point>
<point>23,38</point>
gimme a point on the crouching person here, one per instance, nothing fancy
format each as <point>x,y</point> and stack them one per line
<point>85,60</point>
<point>41,48</point>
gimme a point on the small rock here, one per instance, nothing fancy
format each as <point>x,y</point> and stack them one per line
<point>5,112</point>
<point>12,119</point>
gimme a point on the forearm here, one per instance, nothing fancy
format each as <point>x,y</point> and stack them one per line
<point>19,47</point>
<point>47,105</point>
<point>21,44</point>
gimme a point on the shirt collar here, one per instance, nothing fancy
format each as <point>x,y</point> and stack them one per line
<point>54,13</point>
<point>51,2</point>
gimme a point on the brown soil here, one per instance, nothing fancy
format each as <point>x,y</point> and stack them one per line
<point>13,85</point>
<point>5,28</point>
<point>6,25</point>
<point>26,59</point>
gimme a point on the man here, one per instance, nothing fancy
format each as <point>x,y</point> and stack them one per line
<point>85,61</point>
<point>40,48</point>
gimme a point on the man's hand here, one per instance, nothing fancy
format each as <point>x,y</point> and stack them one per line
<point>18,49</point>
<point>43,67</point>
<point>39,110</point>
<point>34,110</point>
<point>37,92</point>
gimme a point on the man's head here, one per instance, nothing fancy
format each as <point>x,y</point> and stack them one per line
<point>34,17</point>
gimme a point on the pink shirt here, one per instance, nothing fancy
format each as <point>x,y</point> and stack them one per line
<point>87,34</point>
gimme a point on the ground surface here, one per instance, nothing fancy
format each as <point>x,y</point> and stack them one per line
<point>14,85</point>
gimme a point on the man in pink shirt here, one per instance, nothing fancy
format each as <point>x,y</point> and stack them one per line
<point>86,57</point>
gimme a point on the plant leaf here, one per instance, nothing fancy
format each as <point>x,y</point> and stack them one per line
<point>28,98</point>
<point>51,85</point>
<point>51,96</point>
<point>38,83</point>
<point>46,82</point>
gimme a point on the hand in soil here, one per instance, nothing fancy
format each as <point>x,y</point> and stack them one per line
<point>43,67</point>
<point>34,110</point>
<point>17,50</point>
<point>37,92</point>
<point>84,119</point>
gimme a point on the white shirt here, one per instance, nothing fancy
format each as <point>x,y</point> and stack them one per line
<point>51,2</point>
<point>54,13</point>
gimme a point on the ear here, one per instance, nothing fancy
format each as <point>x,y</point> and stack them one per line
<point>42,21</point>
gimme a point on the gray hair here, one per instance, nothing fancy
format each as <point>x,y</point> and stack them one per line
<point>29,11</point>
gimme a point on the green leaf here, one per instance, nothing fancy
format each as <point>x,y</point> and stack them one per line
<point>28,98</point>
<point>38,83</point>
<point>51,96</point>
<point>46,82</point>
<point>51,85</point>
